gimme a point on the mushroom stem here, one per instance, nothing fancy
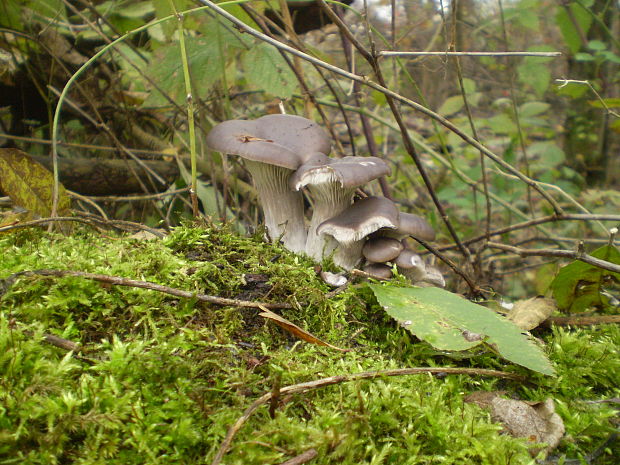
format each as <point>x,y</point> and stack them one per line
<point>326,204</point>
<point>348,255</point>
<point>283,208</point>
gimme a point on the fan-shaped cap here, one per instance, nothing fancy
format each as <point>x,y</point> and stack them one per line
<point>281,140</point>
<point>381,249</point>
<point>361,219</point>
<point>416,226</point>
<point>408,259</point>
<point>347,172</point>
<point>378,270</point>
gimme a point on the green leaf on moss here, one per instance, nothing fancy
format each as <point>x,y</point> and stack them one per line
<point>578,285</point>
<point>450,322</point>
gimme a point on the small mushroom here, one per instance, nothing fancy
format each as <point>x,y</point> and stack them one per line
<point>433,278</point>
<point>411,225</point>
<point>333,279</point>
<point>332,186</point>
<point>351,227</point>
<point>273,147</point>
<point>381,249</point>
<point>411,265</point>
<point>419,273</point>
<point>378,270</point>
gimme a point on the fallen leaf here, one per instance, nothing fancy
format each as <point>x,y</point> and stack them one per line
<point>528,314</point>
<point>535,421</point>
<point>296,330</point>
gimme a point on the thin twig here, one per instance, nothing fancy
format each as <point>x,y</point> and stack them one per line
<point>537,221</point>
<point>131,198</point>
<point>105,148</point>
<point>388,53</point>
<point>61,343</point>
<point>581,320</point>
<point>120,281</point>
<point>320,383</point>
<point>408,142</point>
<point>90,220</point>
<point>565,82</point>
<point>302,458</point>
<point>573,254</point>
<point>472,285</point>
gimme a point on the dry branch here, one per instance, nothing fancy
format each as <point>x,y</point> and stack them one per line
<point>388,53</point>
<point>573,254</point>
<point>119,281</point>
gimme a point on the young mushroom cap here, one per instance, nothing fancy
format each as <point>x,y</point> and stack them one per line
<point>381,249</point>
<point>361,219</point>
<point>411,265</point>
<point>412,225</point>
<point>433,277</point>
<point>332,185</point>
<point>378,270</point>
<point>353,225</point>
<point>273,146</point>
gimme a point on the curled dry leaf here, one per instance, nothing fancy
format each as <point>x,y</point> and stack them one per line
<point>535,421</point>
<point>528,314</point>
<point>296,330</point>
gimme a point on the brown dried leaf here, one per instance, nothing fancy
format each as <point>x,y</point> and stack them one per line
<point>29,184</point>
<point>296,330</point>
<point>535,421</point>
<point>528,314</point>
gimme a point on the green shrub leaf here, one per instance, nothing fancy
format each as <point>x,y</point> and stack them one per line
<point>266,69</point>
<point>450,322</point>
<point>578,285</point>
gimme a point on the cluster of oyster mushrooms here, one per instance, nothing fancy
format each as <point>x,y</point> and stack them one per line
<point>285,154</point>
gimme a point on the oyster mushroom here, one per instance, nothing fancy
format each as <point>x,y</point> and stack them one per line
<point>331,186</point>
<point>351,227</point>
<point>381,249</point>
<point>273,147</point>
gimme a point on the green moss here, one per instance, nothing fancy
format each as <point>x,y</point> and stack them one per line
<point>160,379</point>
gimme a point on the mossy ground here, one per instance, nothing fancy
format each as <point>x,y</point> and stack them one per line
<point>160,379</point>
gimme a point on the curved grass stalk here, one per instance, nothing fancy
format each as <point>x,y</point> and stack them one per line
<point>81,70</point>
<point>190,109</point>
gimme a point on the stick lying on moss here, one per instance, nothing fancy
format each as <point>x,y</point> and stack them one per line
<point>119,281</point>
<point>319,383</point>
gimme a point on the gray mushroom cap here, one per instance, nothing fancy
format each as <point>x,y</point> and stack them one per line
<point>378,270</point>
<point>280,140</point>
<point>408,259</point>
<point>347,172</point>
<point>411,225</point>
<point>411,265</point>
<point>381,249</point>
<point>361,219</point>
<point>351,227</point>
<point>273,147</point>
